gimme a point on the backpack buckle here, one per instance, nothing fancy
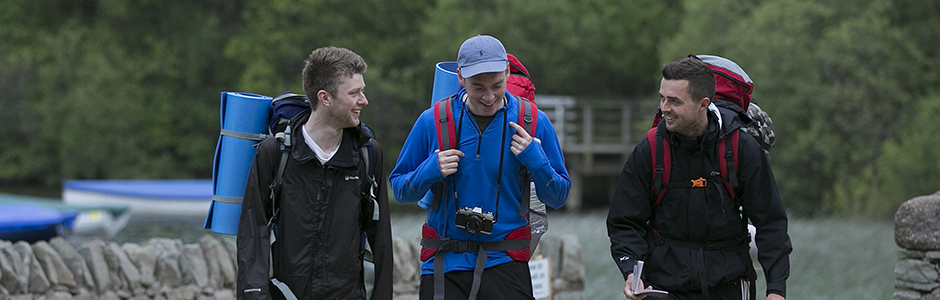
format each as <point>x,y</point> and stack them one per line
<point>700,182</point>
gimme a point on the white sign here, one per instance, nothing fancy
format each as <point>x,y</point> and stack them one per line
<point>540,270</point>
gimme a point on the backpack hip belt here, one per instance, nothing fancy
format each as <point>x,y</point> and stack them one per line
<point>440,246</point>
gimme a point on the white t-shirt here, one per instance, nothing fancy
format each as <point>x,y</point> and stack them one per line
<point>322,156</point>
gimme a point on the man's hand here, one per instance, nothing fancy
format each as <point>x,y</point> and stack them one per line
<point>628,288</point>
<point>520,140</point>
<point>447,160</point>
<point>775,297</point>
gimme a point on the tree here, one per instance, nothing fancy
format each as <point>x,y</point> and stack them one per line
<point>593,48</point>
<point>834,76</point>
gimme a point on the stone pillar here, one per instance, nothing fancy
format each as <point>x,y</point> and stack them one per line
<point>917,231</point>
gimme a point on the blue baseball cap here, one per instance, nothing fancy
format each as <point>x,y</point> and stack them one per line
<point>481,54</point>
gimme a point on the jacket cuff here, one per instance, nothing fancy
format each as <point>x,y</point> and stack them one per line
<point>626,263</point>
<point>777,288</point>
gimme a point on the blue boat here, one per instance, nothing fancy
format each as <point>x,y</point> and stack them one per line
<point>33,219</point>
<point>147,197</point>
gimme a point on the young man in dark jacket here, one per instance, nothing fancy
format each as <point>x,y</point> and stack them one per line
<point>319,226</point>
<point>693,240</point>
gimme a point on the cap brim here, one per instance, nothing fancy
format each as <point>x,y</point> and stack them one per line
<point>484,67</point>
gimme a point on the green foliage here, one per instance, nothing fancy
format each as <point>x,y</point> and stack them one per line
<point>835,77</point>
<point>909,163</point>
<point>116,89</point>
<point>561,42</point>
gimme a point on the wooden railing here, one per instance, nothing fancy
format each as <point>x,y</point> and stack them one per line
<point>596,137</point>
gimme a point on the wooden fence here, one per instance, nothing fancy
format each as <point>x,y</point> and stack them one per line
<point>596,136</point>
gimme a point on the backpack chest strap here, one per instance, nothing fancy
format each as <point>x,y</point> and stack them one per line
<point>696,183</point>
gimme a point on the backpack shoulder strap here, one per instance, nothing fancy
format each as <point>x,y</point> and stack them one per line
<point>528,119</point>
<point>444,116</point>
<point>369,183</point>
<point>728,161</point>
<point>446,139</point>
<point>661,161</point>
<point>284,139</point>
<point>528,114</point>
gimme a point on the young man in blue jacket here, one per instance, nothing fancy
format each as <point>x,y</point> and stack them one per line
<point>478,218</point>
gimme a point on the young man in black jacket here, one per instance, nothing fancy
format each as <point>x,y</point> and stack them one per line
<point>319,228</point>
<point>694,239</point>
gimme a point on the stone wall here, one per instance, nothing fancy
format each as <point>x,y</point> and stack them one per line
<point>167,269</point>
<point>917,232</point>
<point>157,269</point>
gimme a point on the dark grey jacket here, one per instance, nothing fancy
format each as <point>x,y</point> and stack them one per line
<point>699,214</point>
<point>318,233</point>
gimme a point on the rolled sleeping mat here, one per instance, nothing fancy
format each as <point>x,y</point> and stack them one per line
<point>445,81</point>
<point>445,84</point>
<point>244,119</point>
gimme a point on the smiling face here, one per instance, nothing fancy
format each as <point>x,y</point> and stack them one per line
<point>347,104</point>
<point>486,92</point>
<point>683,114</point>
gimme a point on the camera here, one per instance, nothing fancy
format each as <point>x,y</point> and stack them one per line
<point>474,220</point>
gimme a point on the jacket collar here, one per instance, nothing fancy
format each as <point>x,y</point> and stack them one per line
<point>348,153</point>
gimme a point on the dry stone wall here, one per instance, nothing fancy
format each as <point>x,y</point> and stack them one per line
<point>917,232</point>
<point>157,269</point>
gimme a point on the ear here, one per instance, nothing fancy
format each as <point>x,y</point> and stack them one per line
<point>324,97</point>
<point>704,103</point>
<point>461,79</point>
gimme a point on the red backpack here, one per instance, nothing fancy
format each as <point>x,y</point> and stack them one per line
<point>519,83</point>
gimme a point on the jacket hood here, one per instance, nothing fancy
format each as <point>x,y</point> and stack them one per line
<point>730,116</point>
<point>353,137</point>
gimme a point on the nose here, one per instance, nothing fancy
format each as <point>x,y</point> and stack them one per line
<point>363,101</point>
<point>489,96</point>
<point>664,105</point>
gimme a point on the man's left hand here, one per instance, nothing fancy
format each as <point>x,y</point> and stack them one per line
<point>520,140</point>
<point>775,297</point>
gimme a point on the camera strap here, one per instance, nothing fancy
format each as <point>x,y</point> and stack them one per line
<point>502,148</point>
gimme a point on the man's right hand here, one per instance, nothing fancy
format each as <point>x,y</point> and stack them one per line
<point>447,160</point>
<point>628,288</point>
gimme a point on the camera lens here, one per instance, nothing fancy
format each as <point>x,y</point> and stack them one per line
<point>473,224</point>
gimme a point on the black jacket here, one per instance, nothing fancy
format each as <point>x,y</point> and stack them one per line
<point>699,214</point>
<point>318,241</point>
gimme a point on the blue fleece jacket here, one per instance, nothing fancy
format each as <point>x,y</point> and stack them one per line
<point>417,170</point>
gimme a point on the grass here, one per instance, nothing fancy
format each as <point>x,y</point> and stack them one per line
<point>831,259</point>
